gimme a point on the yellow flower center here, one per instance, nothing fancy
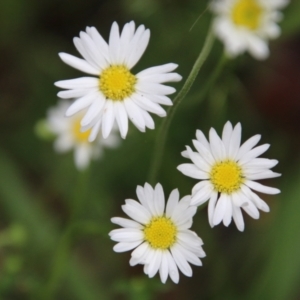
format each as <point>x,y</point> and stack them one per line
<point>79,136</point>
<point>226,177</point>
<point>117,83</point>
<point>247,13</point>
<point>160,233</point>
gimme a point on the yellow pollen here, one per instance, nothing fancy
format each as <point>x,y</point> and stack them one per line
<point>117,83</point>
<point>160,233</point>
<point>247,13</point>
<point>226,177</point>
<point>79,136</point>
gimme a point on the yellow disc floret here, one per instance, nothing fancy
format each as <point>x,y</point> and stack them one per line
<point>226,177</point>
<point>117,83</point>
<point>160,233</point>
<point>247,13</point>
<point>79,136</point>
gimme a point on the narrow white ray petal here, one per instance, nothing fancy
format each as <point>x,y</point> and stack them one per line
<point>172,202</point>
<point>123,246</point>
<point>134,114</point>
<point>138,47</point>
<point>238,218</point>
<point>108,118</point>
<point>75,93</point>
<point>126,223</point>
<point>78,83</point>
<point>136,212</point>
<point>226,135</point>
<point>159,199</point>
<point>204,152</point>
<point>160,99</point>
<point>125,39</point>
<point>93,51</point>
<point>78,63</point>
<point>93,111</point>
<point>141,196</point>
<point>220,209</point>
<point>262,205</point>
<point>121,117</point>
<point>189,256</point>
<point>235,141</point>
<point>114,43</point>
<point>254,153</point>
<point>157,70</point>
<point>140,250</point>
<point>186,216</point>
<point>211,208</point>
<point>82,103</point>
<point>248,145</point>
<point>163,269</point>
<point>238,199</point>
<point>149,195</point>
<point>155,263</point>
<point>228,213</point>
<point>84,52</point>
<point>154,88</point>
<point>173,270</point>
<point>198,160</point>
<point>251,210</point>
<point>202,195</point>
<point>149,123</point>
<point>181,262</point>
<point>99,42</point>
<point>160,78</point>
<point>260,163</point>
<point>126,235</point>
<point>148,105</point>
<point>202,139</point>
<point>216,145</point>
<point>199,186</point>
<point>192,171</point>
<point>262,175</point>
<point>95,130</point>
<point>261,188</point>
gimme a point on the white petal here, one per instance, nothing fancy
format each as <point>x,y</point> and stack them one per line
<point>121,117</point>
<point>155,263</point>
<point>148,105</point>
<point>81,103</point>
<point>82,156</point>
<point>262,175</point>
<point>114,43</point>
<point>216,145</point>
<point>248,145</point>
<point>78,63</point>
<point>204,152</point>
<point>94,111</point>
<point>154,88</point>
<point>136,212</point>
<point>78,83</point>
<point>220,209</point>
<point>238,218</point>
<point>251,210</point>
<point>134,114</point>
<point>172,202</point>
<point>202,139</point>
<point>160,78</point>
<point>211,208</point>
<point>228,212</point>
<point>123,246</point>
<point>235,141</point>
<point>181,262</point>
<point>157,70</point>
<point>254,153</point>
<point>108,118</point>
<point>173,271</point>
<point>95,130</point>
<point>159,200</point>
<point>226,135</point>
<point>192,171</point>
<point>127,235</point>
<point>262,188</point>
<point>149,123</point>
<point>163,270</point>
<point>198,160</point>
<point>126,223</point>
<point>75,93</point>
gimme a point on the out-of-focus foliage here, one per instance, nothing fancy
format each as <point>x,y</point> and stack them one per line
<point>43,255</point>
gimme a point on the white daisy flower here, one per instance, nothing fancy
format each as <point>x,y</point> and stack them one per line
<point>228,171</point>
<point>70,136</point>
<point>159,234</point>
<point>247,24</point>
<point>116,94</point>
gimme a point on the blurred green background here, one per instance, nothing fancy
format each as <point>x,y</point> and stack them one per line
<point>42,256</point>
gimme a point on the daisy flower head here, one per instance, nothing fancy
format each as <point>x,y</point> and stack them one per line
<point>228,171</point>
<point>159,233</point>
<point>70,136</point>
<point>247,25</point>
<point>114,93</point>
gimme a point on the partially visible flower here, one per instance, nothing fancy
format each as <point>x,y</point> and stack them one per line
<point>247,24</point>
<point>228,171</point>
<point>159,234</point>
<point>116,94</point>
<point>70,136</point>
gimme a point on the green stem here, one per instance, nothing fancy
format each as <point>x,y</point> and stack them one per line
<point>162,134</point>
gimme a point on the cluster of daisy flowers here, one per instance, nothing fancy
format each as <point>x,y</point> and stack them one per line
<point>98,106</point>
